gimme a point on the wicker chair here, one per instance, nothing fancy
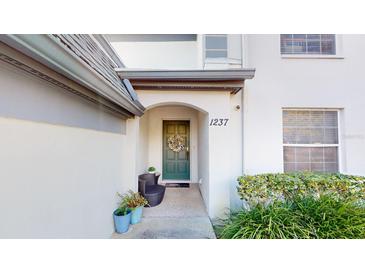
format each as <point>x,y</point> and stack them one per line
<point>150,189</point>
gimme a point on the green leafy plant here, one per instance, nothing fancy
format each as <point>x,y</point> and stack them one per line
<point>326,217</point>
<point>121,211</point>
<point>151,169</point>
<point>270,187</point>
<point>132,200</point>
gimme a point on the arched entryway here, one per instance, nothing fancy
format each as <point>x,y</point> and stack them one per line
<point>164,121</point>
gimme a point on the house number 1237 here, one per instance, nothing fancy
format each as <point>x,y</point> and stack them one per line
<point>218,122</point>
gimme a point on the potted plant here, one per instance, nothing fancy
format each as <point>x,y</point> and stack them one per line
<point>135,203</point>
<point>151,169</point>
<point>122,218</point>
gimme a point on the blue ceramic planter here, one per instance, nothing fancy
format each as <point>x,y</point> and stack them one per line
<point>136,215</point>
<point>122,222</point>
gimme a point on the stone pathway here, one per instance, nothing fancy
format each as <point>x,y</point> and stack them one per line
<point>181,215</point>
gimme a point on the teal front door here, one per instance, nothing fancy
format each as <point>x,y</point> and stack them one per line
<point>176,158</point>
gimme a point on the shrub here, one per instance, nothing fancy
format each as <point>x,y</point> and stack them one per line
<point>265,188</point>
<point>326,217</point>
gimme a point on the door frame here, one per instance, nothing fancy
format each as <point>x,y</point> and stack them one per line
<point>162,143</point>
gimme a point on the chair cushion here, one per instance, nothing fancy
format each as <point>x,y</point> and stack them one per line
<point>154,190</point>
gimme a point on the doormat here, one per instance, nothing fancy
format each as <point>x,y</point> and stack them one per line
<point>177,185</point>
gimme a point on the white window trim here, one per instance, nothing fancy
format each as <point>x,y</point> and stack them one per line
<point>221,60</point>
<point>338,55</point>
<point>310,56</point>
<point>205,49</point>
<point>310,145</point>
<point>338,145</point>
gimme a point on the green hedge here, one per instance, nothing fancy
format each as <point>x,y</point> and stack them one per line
<point>300,218</point>
<point>266,188</point>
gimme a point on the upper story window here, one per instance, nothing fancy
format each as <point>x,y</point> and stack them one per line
<point>222,51</point>
<point>216,46</point>
<point>308,44</point>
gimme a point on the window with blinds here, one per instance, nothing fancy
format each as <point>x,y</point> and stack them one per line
<point>319,44</point>
<point>310,140</point>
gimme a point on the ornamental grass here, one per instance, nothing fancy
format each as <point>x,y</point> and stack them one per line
<point>326,217</point>
<point>298,206</point>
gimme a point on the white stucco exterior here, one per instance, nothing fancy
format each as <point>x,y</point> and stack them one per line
<point>215,159</point>
<point>63,160</point>
<point>255,130</point>
<point>335,83</point>
<point>330,82</point>
<point>176,54</point>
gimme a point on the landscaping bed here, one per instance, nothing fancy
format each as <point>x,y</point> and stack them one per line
<point>298,206</point>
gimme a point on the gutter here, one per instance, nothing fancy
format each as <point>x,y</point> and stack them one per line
<point>201,75</point>
<point>47,50</point>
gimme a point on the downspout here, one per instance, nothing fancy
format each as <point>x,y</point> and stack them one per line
<point>244,64</point>
<point>243,131</point>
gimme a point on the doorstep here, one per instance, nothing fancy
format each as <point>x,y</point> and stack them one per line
<point>170,228</point>
<point>181,215</point>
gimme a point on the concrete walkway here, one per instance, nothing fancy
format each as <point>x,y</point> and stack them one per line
<point>181,215</point>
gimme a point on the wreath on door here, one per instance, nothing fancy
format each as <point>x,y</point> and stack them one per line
<point>176,143</point>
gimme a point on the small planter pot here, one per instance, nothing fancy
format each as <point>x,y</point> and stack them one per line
<point>122,222</point>
<point>151,172</point>
<point>136,215</point>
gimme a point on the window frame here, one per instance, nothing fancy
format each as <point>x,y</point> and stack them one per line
<point>338,145</point>
<point>338,55</point>
<point>214,59</point>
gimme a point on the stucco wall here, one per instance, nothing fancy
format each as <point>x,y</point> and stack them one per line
<point>58,176</point>
<point>216,104</point>
<point>164,53</point>
<point>142,147</point>
<point>236,147</point>
<point>307,83</point>
<point>203,156</point>
<point>159,55</point>
<point>24,96</point>
<point>150,141</point>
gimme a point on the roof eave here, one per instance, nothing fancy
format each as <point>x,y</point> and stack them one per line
<point>231,80</point>
<point>186,75</point>
<point>46,50</point>
<point>232,86</point>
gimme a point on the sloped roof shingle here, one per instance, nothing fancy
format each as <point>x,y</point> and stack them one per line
<point>89,51</point>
